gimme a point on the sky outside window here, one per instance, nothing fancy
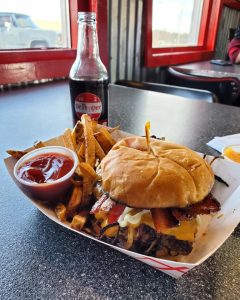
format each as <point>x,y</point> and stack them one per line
<point>175,22</point>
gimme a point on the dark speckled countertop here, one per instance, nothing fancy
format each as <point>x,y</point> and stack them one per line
<point>42,260</point>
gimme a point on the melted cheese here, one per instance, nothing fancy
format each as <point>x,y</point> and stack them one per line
<point>128,218</point>
<point>185,231</point>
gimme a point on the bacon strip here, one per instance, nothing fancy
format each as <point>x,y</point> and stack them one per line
<point>96,207</point>
<point>163,219</point>
<point>104,203</point>
<point>207,206</point>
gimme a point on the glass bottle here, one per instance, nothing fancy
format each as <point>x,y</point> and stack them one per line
<point>88,78</point>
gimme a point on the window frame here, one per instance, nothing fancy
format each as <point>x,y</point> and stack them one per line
<point>154,57</point>
<point>30,65</point>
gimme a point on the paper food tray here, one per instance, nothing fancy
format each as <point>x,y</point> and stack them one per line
<point>213,230</point>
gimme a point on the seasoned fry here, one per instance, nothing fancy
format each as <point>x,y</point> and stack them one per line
<point>87,190</point>
<point>75,200</point>
<point>76,181</point>
<point>79,144</point>
<point>68,143</point>
<point>110,130</point>
<point>78,221</point>
<point>89,140</point>
<point>99,150</point>
<point>67,138</point>
<point>81,152</point>
<point>60,211</point>
<point>108,136</point>
<point>105,139</point>
<point>88,171</point>
<point>77,133</point>
<point>94,125</point>
<point>16,153</point>
<point>147,132</point>
<point>38,144</point>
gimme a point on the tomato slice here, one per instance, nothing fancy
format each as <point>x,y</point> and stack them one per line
<point>115,213</point>
<point>163,219</point>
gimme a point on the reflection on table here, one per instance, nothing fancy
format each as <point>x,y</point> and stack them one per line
<point>207,69</point>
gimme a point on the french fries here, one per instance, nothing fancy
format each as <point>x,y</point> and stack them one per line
<point>77,133</point>
<point>89,155</point>
<point>16,153</point>
<point>111,130</point>
<point>79,221</point>
<point>81,152</point>
<point>75,200</point>
<point>147,132</point>
<point>60,211</point>
<point>99,150</point>
<point>94,125</point>
<point>38,144</point>
<point>105,139</point>
<point>91,142</point>
<point>88,171</point>
<point>68,143</point>
<point>67,139</point>
<point>88,140</point>
<point>87,190</point>
<point>97,142</point>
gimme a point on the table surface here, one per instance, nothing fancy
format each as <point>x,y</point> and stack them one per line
<point>207,69</point>
<point>42,260</point>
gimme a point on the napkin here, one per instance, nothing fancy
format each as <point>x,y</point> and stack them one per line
<point>219,143</point>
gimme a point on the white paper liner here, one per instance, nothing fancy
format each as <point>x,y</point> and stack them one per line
<point>220,142</point>
<point>213,230</point>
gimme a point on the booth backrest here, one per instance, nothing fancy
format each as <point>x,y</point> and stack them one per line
<point>189,93</point>
<point>227,89</point>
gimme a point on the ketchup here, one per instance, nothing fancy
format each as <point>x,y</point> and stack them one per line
<point>45,168</point>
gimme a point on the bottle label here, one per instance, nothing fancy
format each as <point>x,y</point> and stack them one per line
<point>88,103</point>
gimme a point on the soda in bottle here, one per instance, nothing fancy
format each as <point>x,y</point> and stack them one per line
<point>88,78</point>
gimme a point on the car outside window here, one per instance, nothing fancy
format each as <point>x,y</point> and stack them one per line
<point>34,24</point>
<point>24,21</point>
<point>22,65</point>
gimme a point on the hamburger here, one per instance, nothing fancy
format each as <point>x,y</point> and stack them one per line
<point>150,196</point>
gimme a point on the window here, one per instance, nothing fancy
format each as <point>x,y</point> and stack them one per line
<point>180,31</point>
<point>176,23</point>
<point>41,61</point>
<point>28,24</point>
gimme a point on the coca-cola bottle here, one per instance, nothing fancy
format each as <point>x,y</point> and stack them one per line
<point>88,78</point>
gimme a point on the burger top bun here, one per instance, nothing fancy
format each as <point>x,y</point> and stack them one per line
<point>171,175</point>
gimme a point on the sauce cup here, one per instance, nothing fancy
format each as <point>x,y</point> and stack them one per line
<point>47,191</point>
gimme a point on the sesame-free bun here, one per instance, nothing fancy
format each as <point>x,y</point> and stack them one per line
<point>171,175</point>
